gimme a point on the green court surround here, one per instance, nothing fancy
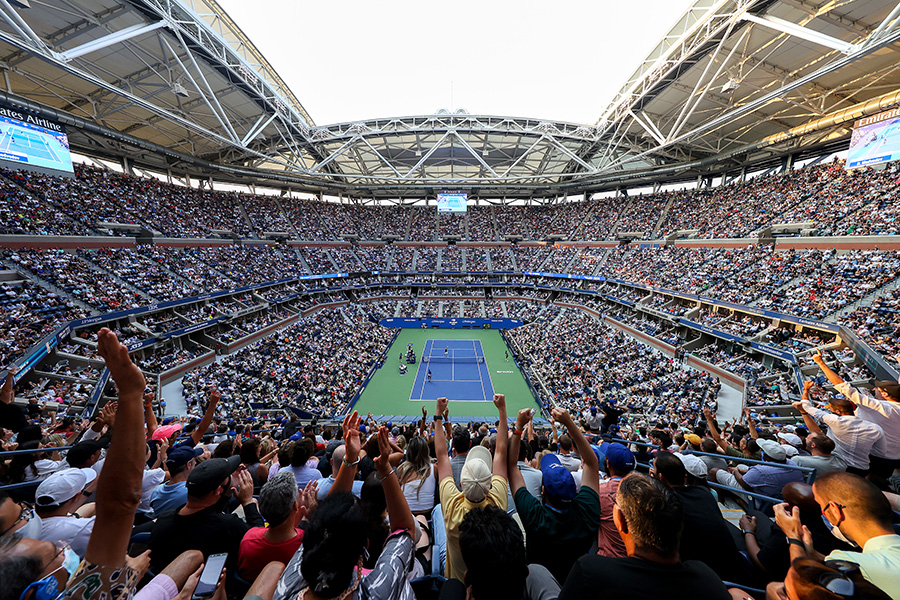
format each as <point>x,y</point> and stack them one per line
<point>388,392</point>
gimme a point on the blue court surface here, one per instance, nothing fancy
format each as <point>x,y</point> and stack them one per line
<point>458,372</point>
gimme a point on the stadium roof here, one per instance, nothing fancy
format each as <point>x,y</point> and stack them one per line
<point>175,84</point>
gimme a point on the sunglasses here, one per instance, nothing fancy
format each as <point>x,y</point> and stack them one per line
<point>839,583</point>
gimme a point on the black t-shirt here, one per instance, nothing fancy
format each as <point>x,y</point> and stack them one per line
<point>612,415</point>
<point>291,428</point>
<point>706,536</point>
<point>209,531</point>
<point>12,417</point>
<point>639,579</point>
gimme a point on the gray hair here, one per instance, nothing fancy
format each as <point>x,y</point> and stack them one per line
<point>277,498</point>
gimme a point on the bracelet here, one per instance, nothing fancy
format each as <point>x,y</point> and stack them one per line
<point>746,531</point>
<point>351,464</point>
<point>517,432</point>
<point>380,478</point>
<point>438,418</point>
<point>796,542</point>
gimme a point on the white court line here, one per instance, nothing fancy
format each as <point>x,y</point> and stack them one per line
<point>424,375</point>
<point>480,378</point>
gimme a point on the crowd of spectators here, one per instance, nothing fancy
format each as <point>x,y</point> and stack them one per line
<point>585,521</point>
<point>828,198</point>
<point>636,519</point>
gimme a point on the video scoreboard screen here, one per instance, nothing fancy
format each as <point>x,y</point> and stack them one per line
<point>28,141</point>
<point>452,202</point>
<point>875,139</point>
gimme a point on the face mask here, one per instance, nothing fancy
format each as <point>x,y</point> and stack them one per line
<point>47,588</point>
<point>70,561</point>
<point>836,532</point>
<point>31,529</point>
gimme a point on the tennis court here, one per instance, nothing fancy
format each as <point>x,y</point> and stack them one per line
<point>401,397</point>
<point>458,371</point>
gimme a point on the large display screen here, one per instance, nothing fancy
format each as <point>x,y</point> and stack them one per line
<point>875,139</point>
<point>28,141</point>
<point>452,201</point>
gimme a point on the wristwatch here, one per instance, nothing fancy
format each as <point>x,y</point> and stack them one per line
<point>438,418</point>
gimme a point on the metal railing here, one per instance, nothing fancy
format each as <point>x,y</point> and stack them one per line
<point>809,472</point>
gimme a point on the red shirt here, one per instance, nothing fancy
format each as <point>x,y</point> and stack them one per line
<point>609,542</point>
<point>256,552</point>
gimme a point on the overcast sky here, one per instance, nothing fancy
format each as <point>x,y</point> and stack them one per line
<point>351,60</point>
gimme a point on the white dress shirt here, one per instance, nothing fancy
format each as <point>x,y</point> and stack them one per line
<point>853,436</point>
<point>884,414</point>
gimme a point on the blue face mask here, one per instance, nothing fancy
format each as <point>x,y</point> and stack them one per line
<point>47,588</point>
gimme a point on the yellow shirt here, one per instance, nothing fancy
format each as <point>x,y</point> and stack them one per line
<point>455,506</point>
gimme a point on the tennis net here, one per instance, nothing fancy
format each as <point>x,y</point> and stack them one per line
<point>436,358</point>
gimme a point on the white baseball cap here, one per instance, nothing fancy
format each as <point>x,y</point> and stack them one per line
<point>693,465</point>
<point>63,485</point>
<point>475,478</point>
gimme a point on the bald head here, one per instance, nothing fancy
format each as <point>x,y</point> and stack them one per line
<point>800,495</point>
<point>336,457</point>
<point>861,500</point>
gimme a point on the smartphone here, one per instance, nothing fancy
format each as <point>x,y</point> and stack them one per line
<point>209,578</point>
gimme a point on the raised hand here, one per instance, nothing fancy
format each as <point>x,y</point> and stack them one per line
<point>350,427</point>
<point>6,394</point>
<point>129,380</point>
<point>108,414</point>
<point>523,418</point>
<point>817,358</point>
<point>788,522</point>
<point>242,486</point>
<point>424,412</point>
<point>214,396</point>
<point>309,498</point>
<point>562,415</point>
<point>441,406</point>
<point>382,461</point>
<point>500,401</point>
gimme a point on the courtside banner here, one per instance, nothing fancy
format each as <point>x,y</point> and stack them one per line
<point>776,352</point>
<point>719,334</point>
<point>451,323</point>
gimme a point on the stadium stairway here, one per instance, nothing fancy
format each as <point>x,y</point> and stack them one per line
<point>175,404</point>
<point>118,280</point>
<point>16,272</point>
<point>865,301</point>
<point>662,216</point>
<point>302,260</point>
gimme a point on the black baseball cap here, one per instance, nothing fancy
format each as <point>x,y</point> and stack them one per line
<point>210,474</point>
<point>81,452</point>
